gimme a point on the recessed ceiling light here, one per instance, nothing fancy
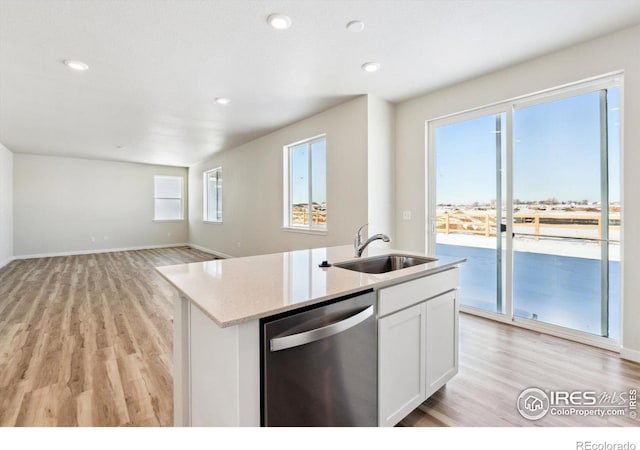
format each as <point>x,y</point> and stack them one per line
<point>279,21</point>
<point>223,100</point>
<point>371,67</point>
<point>76,65</point>
<point>355,26</point>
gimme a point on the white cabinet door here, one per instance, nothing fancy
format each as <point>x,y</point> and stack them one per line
<point>401,364</point>
<point>442,341</point>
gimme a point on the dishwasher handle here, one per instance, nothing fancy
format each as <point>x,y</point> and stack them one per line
<point>307,337</point>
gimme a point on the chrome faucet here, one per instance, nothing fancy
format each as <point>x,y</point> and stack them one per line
<point>359,246</point>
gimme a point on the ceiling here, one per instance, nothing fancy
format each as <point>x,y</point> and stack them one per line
<point>156,66</point>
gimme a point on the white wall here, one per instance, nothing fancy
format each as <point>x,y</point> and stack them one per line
<point>618,51</point>
<point>252,187</point>
<point>6,206</point>
<point>61,203</point>
<point>381,167</point>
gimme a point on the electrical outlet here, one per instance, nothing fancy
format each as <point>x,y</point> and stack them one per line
<point>106,238</point>
<point>238,244</point>
<point>93,238</point>
<point>169,234</point>
<point>406,215</point>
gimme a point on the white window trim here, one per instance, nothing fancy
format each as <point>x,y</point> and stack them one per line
<point>205,197</point>
<point>287,187</point>
<point>182,202</point>
<point>305,230</point>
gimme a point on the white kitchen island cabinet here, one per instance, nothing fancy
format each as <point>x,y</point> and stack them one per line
<point>401,364</point>
<point>216,376</point>
<point>224,373</point>
<point>417,342</point>
<point>441,341</point>
<point>217,328</point>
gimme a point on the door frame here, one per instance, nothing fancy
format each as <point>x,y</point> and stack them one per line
<point>613,79</point>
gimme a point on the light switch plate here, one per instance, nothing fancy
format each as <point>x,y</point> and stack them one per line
<point>406,215</point>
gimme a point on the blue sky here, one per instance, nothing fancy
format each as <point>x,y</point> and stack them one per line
<point>556,153</point>
<point>300,172</point>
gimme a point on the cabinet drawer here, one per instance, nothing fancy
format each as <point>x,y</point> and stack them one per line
<point>402,295</point>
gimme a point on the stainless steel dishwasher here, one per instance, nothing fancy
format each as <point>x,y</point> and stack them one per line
<point>320,366</point>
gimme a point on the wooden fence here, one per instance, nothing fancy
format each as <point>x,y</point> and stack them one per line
<point>485,223</point>
<point>301,216</point>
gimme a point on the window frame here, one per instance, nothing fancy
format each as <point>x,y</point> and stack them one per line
<point>181,198</point>
<point>509,106</point>
<point>288,188</point>
<point>205,195</point>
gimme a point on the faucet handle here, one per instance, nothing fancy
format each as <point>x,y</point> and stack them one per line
<point>358,240</point>
<point>359,232</point>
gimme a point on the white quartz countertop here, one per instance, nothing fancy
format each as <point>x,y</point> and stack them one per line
<point>236,290</point>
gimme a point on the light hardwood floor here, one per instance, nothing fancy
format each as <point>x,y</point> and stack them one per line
<point>87,340</point>
<point>498,361</point>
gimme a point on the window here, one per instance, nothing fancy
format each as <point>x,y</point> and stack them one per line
<point>213,195</point>
<point>168,198</point>
<point>305,186</point>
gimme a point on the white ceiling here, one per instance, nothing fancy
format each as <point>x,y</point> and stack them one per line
<point>157,65</point>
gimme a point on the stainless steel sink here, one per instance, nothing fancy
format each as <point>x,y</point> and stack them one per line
<point>385,263</point>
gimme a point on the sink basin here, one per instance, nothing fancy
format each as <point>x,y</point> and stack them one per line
<point>385,263</point>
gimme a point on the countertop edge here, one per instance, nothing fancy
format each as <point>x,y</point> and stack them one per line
<point>195,302</point>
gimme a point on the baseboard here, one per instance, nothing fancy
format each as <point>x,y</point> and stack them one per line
<point>101,250</point>
<point>208,250</point>
<point>5,262</point>
<point>631,355</point>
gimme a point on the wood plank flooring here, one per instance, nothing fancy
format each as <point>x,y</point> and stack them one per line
<point>498,361</point>
<point>87,341</point>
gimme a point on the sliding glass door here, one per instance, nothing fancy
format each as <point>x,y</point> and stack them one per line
<point>547,170</point>
<point>470,205</point>
<point>564,203</point>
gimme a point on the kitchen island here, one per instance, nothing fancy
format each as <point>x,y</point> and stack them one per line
<point>217,327</point>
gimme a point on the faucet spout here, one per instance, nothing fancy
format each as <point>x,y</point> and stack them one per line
<point>359,246</point>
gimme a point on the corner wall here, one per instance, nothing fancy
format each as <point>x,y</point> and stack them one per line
<point>252,190</point>
<point>69,205</point>
<point>618,51</point>
<point>6,206</point>
<point>381,168</point>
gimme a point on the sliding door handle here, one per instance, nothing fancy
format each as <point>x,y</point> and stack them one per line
<point>503,229</point>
